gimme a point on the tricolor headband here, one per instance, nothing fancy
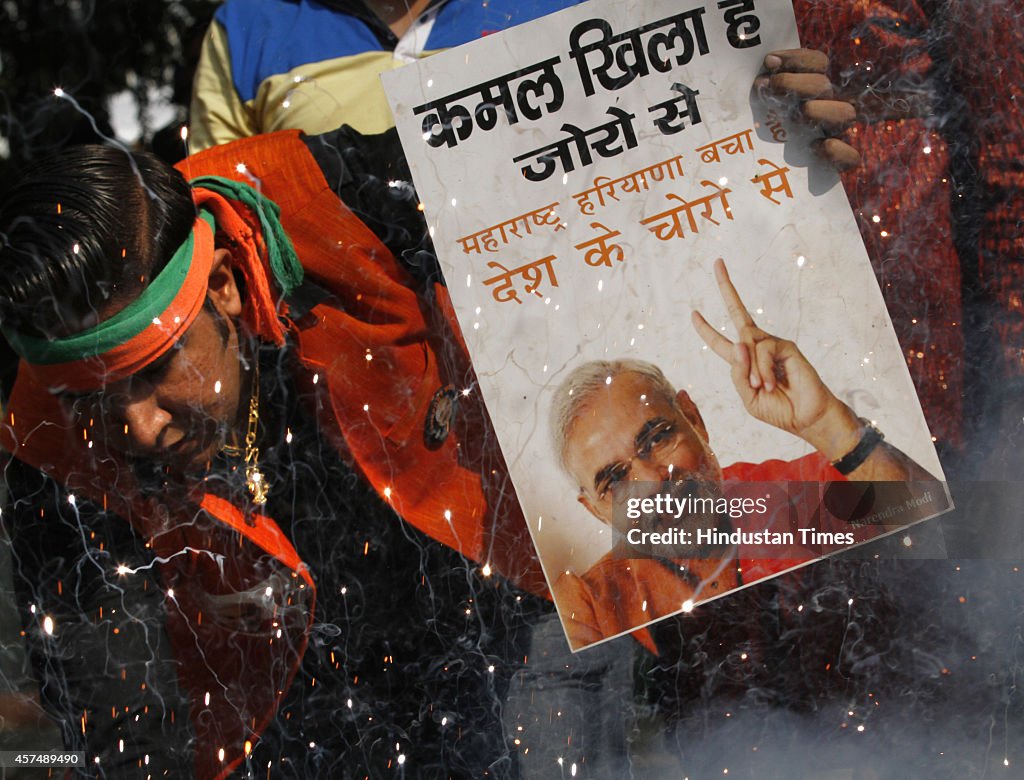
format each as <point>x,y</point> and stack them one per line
<point>150,325</point>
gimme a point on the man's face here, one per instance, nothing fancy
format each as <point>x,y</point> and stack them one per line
<point>179,410</point>
<point>630,431</point>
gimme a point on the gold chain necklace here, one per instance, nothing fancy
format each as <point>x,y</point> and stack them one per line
<point>255,480</point>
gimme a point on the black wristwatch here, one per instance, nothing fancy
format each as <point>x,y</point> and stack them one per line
<point>856,457</point>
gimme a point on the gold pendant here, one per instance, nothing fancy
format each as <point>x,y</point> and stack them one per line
<point>258,487</point>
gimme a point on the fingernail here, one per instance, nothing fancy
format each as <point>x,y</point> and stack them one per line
<point>754,381</point>
<point>772,61</point>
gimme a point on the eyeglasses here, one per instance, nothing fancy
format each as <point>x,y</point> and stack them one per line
<point>658,438</point>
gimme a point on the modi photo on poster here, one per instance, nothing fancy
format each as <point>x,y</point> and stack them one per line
<point>674,324</point>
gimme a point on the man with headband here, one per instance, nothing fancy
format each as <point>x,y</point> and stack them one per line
<point>182,371</point>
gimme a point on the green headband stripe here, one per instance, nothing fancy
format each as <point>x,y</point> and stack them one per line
<point>281,257</point>
<point>158,295</point>
<point>123,326</point>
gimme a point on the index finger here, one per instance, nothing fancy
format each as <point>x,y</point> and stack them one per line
<point>737,311</point>
<point>718,343</point>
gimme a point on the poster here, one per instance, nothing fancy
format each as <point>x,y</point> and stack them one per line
<point>592,180</point>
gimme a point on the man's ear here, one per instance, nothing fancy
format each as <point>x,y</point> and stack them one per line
<point>222,289</point>
<point>582,498</point>
<point>691,413</point>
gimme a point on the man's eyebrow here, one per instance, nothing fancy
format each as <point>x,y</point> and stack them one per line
<point>69,397</point>
<point>647,428</point>
<point>605,473</point>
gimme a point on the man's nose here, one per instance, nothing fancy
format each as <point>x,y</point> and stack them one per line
<point>144,421</point>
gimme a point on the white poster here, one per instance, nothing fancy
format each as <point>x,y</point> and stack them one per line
<point>581,176</point>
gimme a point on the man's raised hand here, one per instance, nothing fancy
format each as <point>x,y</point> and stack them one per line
<point>780,387</point>
<point>774,380</point>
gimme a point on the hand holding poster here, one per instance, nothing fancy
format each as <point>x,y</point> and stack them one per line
<point>582,175</point>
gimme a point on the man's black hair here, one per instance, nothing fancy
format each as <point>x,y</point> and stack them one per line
<point>86,230</point>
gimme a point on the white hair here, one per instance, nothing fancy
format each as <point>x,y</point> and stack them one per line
<point>584,381</point>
